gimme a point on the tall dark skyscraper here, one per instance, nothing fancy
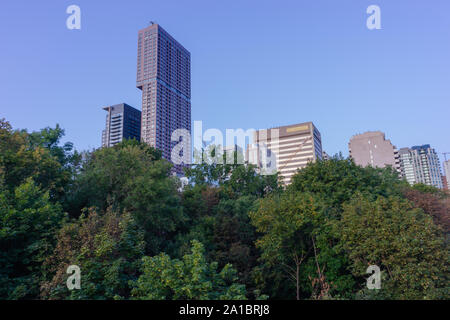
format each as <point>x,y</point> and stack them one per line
<point>122,122</point>
<point>164,76</point>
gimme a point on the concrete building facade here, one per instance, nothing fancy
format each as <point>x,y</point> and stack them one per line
<point>407,167</point>
<point>164,76</point>
<point>285,149</point>
<point>234,154</point>
<point>122,122</point>
<point>444,183</point>
<point>372,148</point>
<point>447,172</point>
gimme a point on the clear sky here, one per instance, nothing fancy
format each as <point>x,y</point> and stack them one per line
<point>254,64</point>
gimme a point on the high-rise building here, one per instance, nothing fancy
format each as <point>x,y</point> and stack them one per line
<point>286,149</point>
<point>444,183</point>
<point>372,148</point>
<point>163,75</point>
<point>447,172</point>
<point>251,154</point>
<point>122,122</point>
<point>234,154</point>
<point>420,164</point>
<point>407,167</point>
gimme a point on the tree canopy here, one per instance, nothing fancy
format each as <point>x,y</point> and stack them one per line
<point>122,217</point>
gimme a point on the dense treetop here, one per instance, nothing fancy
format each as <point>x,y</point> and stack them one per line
<point>121,216</point>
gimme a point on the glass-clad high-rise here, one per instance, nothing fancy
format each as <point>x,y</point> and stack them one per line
<point>420,164</point>
<point>122,122</point>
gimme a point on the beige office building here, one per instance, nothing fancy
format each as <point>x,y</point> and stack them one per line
<point>285,149</point>
<point>372,148</point>
<point>447,173</point>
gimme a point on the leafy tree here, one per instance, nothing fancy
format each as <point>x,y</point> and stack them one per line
<point>28,223</point>
<point>106,246</point>
<point>234,238</point>
<point>245,181</point>
<point>199,203</point>
<point>187,279</point>
<point>329,184</point>
<point>286,223</point>
<point>333,183</point>
<point>423,188</point>
<point>36,155</point>
<point>50,139</point>
<point>311,239</point>
<point>132,177</point>
<point>337,179</point>
<point>436,204</point>
<point>226,232</point>
<point>401,240</point>
<point>234,176</point>
<point>218,207</point>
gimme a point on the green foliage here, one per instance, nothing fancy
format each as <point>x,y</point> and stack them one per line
<point>28,222</point>
<point>401,240</point>
<point>37,156</point>
<point>288,224</point>
<point>106,246</point>
<point>288,228</point>
<point>234,179</point>
<point>311,240</point>
<point>131,176</point>
<point>336,180</point>
<point>428,189</point>
<point>217,209</point>
<point>186,279</point>
<point>435,204</point>
<point>34,175</point>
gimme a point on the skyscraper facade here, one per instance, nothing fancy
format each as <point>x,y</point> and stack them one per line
<point>290,147</point>
<point>122,122</point>
<point>420,164</point>
<point>163,75</point>
<point>407,167</point>
<point>444,183</point>
<point>447,172</point>
<point>372,148</point>
<point>234,154</point>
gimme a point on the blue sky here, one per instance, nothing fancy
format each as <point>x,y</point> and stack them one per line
<point>255,64</point>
